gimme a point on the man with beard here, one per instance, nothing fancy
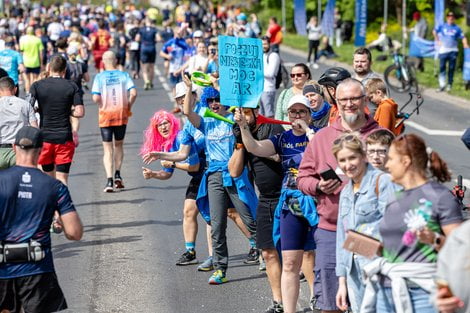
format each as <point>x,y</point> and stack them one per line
<point>351,101</point>
<point>272,61</point>
<point>362,61</point>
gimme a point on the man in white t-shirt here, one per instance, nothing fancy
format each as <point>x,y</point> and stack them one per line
<point>271,61</point>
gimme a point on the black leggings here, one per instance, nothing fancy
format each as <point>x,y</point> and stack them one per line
<point>135,60</point>
<point>313,46</point>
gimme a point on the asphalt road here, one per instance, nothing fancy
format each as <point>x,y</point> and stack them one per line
<point>125,262</point>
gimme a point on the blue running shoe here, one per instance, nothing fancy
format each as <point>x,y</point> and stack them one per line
<point>206,266</point>
<point>218,278</point>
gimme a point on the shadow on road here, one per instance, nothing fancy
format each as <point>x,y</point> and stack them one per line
<point>112,202</point>
<point>90,228</point>
<point>79,244</point>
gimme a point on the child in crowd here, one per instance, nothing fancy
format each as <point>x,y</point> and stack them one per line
<point>377,145</point>
<point>387,108</point>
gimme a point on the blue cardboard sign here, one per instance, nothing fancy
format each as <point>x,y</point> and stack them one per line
<point>420,47</point>
<point>241,71</point>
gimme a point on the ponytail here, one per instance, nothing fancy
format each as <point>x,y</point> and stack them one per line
<point>438,167</point>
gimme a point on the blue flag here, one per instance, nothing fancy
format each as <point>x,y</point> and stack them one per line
<point>361,23</point>
<point>438,13</point>
<point>466,64</point>
<point>422,48</point>
<point>328,19</point>
<point>241,71</point>
<point>300,17</point>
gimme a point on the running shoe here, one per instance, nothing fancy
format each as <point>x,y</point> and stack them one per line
<point>275,307</point>
<point>109,186</point>
<point>262,264</point>
<point>313,304</point>
<point>206,266</point>
<point>118,182</point>
<point>218,278</point>
<point>252,257</point>
<point>189,257</point>
<point>302,277</point>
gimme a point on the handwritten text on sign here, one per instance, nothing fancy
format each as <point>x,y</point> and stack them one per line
<point>240,71</point>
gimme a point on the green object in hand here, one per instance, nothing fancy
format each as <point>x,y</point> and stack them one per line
<point>201,79</point>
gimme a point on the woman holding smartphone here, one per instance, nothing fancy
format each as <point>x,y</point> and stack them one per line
<point>361,206</point>
<point>414,228</point>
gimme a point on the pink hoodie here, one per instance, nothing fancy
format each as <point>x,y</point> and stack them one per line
<point>316,158</point>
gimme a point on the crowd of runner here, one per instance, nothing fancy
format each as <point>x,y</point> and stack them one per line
<point>343,198</point>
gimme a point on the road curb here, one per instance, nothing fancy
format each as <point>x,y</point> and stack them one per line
<point>428,92</point>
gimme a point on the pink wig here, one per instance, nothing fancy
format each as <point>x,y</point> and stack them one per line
<point>153,140</point>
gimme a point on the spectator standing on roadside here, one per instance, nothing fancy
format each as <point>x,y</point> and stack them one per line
<point>350,95</point>
<point>387,109</point>
<point>29,200</point>
<point>447,36</point>
<point>115,93</point>
<point>271,61</point>
<point>314,33</point>
<point>362,62</point>
<point>377,145</point>
<point>274,33</point>
<point>420,29</point>
<point>320,109</point>
<point>330,80</point>
<point>14,114</point>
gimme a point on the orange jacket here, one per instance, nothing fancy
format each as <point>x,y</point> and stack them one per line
<point>386,115</point>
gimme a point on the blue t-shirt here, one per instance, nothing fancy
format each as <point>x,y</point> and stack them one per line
<point>176,47</point>
<point>193,157</point>
<point>449,36</point>
<point>211,67</point>
<point>28,199</point>
<point>219,138</point>
<point>291,150</point>
<point>147,37</point>
<point>9,61</point>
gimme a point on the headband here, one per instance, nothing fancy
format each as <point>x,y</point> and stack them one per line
<point>312,88</point>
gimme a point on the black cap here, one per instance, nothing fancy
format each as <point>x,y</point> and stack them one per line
<point>28,138</point>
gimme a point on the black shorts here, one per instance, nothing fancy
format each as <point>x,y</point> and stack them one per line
<point>148,55</point>
<point>36,293</point>
<point>33,70</point>
<point>118,131</point>
<point>193,187</point>
<point>264,223</point>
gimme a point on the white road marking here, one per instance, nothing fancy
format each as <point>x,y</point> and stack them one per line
<point>165,85</point>
<point>434,132</point>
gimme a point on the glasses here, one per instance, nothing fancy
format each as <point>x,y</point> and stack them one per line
<point>163,124</point>
<point>380,152</point>
<point>354,100</point>
<point>294,113</point>
<point>298,75</point>
<point>348,138</point>
<point>212,100</point>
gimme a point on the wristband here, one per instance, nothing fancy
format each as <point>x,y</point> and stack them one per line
<point>437,241</point>
<point>239,146</point>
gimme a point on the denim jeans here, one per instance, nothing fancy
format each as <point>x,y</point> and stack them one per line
<point>444,58</point>
<point>420,300</point>
<point>356,287</point>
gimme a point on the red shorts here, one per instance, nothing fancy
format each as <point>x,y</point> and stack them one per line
<point>98,57</point>
<point>54,153</point>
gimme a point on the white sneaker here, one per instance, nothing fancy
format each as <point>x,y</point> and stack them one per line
<point>315,66</point>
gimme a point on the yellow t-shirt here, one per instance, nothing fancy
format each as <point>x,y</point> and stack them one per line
<point>31,46</point>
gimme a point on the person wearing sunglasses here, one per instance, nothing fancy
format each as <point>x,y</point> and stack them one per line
<point>350,97</point>
<point>295,217</point>
<point>413,229</point>
<point>361,207</point>
<point>217,187</point>
<point>300,73</point>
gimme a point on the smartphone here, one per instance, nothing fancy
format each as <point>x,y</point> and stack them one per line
<point>441,284</point>
<point>213,51</point>
<point>330,174</point>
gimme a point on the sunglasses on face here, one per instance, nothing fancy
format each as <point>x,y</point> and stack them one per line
<point>301,113</point>
<point>298,75</point>
<point>213,100</point>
